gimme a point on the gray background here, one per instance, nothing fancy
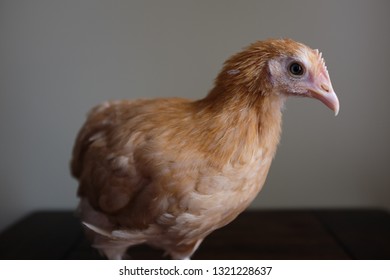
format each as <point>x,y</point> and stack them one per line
<point>60,58</point>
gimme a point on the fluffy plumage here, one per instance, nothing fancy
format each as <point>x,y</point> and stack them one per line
<point>168,172</point>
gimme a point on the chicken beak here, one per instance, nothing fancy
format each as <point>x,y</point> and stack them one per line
<point>322,90</point>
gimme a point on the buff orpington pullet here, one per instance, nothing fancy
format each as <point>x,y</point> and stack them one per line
<point>168,172</point>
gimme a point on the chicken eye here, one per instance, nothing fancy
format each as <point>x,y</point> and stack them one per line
<point>296,69</point>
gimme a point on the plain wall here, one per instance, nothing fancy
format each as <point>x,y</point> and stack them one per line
<point>60,58</point>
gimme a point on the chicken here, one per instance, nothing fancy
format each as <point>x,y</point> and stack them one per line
<point>168,172</point>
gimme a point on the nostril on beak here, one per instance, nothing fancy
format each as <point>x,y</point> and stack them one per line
<point>325,87</point>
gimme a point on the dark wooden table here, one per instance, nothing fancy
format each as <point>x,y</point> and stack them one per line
<point>276,234</point>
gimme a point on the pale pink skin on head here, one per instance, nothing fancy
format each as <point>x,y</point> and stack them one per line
<point>321,86</point>
<point>314,82</point>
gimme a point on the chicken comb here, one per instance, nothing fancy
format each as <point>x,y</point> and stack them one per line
<point>321,59</point>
